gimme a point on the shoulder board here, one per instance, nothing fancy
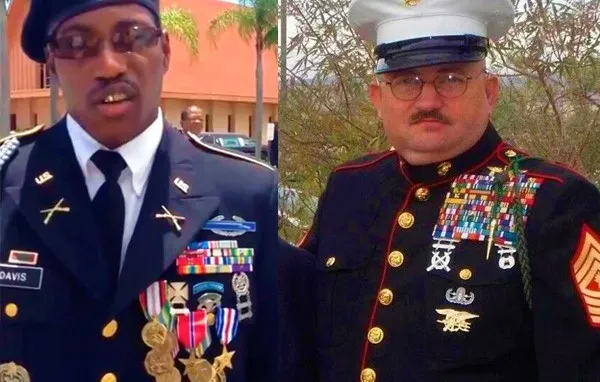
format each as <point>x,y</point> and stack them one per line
<point>196,141</point>
<point>21,134</point>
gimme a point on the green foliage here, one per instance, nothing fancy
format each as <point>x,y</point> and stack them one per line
<point>182,25</point>
<point>253,18</point>
<point>550,101</point>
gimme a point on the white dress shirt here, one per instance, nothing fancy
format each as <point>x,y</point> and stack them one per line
<point>139,156</point>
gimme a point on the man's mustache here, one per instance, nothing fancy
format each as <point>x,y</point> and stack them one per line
<point>428,114</point>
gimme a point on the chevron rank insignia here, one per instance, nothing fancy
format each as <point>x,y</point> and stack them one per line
<point>585,268</point>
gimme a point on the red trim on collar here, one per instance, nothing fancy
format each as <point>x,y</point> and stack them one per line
<point>384,155</point>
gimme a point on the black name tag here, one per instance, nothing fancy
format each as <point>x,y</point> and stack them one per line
<point>14,276</point>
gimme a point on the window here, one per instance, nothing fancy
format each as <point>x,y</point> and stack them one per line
<point>250,127</point>
<point>270,119</point>
<point>230,127</point>
<point>13,122</point>
<point>35,120</point>
<point>208,123</point>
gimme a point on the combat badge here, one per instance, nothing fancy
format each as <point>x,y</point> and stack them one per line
<point>455,320</point>
<point>230,228</point>
<point>11,372</point>
<point>585,268</point>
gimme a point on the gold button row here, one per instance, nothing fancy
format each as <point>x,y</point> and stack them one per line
<point>108,377</point>
<point>11,310</point>
<point>385,297</point>
<point>368,375</point>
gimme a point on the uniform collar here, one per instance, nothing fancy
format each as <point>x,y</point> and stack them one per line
<point>438,172</point>
<point>137,153</point>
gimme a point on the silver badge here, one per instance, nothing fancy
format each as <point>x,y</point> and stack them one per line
<point>507,258</point>
<point>209,302</point>
<point>460,297</point>
<point>441,262</point>
<point>241,286</point>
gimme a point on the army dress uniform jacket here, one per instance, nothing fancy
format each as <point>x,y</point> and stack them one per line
<point>57,321</point>
<point>406,289</point>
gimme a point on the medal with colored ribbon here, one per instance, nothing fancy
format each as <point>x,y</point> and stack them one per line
<point>157,333</point>
<point>227,325</point>
<point>193,331</point>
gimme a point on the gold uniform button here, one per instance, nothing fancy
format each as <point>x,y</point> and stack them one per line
<point>368,375</point>
<point>510,153</point>
<point>385,297</point>
<point>395,259</point>
<point>375,335</point>
<point>110,329</point>
<point>422,194</point>
<point>406,220</point>
<point>330,262</point>
<point>11,310</point>
<point>109,377</point>
<point>465,274</point>
<point>444,168</point>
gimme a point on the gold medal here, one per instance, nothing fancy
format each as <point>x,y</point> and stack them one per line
<point>172,376</point>
<point>158,362</point>
<point>154,334</point>
<point>198,369</point>
<point>170,343</point>
<point>219,376</point>
<point>11,372</point>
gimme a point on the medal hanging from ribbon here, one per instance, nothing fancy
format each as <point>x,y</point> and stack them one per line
<point>157,333</point>
<point>227,324</point>
<point>155,304</point>
<point>156,308</point>
<point>193,331</point>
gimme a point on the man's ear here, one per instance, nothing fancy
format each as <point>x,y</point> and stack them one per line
<point>375,95</point>
<point>492,89</point>
<point>166,48</point>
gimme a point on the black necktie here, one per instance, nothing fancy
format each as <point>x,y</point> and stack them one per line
<point>109,211</point>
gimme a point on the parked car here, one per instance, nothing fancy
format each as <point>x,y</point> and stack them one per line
<point>234,141</point>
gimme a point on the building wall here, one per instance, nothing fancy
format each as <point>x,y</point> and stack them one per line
<point>32,111</point>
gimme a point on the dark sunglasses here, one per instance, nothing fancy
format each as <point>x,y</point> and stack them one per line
<point>79,44</point>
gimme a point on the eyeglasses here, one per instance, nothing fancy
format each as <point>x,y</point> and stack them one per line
<point>79,44</point>
<point>448,85</point>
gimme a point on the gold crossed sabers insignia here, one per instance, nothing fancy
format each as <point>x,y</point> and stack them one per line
<point>174,219</point>
<point>57,208</point>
